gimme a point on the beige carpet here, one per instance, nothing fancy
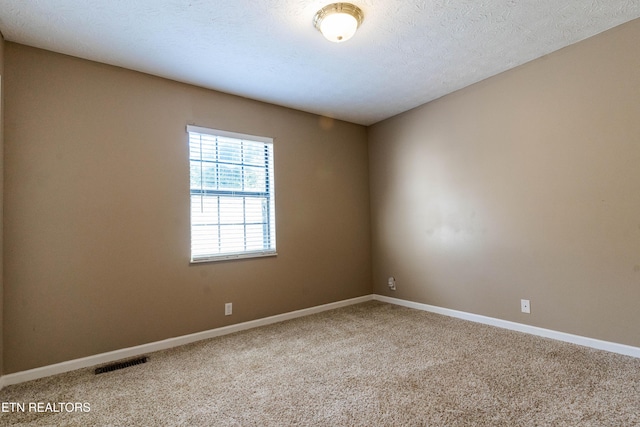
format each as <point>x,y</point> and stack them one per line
<point>371,364</point>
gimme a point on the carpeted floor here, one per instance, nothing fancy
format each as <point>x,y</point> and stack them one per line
<point>371,364</point>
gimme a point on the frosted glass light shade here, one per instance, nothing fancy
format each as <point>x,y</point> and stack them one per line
<point>339,27</point>
<point>338,22</point>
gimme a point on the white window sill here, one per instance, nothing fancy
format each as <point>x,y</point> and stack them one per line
<point>232,257</point>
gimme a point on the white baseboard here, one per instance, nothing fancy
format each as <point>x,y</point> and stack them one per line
<point>627,350</point>
<point>98,359</point>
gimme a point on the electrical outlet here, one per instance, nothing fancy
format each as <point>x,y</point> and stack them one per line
<point>525,306</point>
<point>228,309</point>
<point>392,283</point>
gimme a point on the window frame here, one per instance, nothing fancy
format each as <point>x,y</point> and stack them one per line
<point>269,194</point>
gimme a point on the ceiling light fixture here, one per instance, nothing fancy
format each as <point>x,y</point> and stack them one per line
<point>338,22</point>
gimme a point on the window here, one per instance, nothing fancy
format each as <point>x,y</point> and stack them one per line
<point>232,195</point>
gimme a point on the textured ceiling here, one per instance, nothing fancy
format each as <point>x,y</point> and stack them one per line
<point>406,53</point>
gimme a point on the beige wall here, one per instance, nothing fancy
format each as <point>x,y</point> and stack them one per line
<point>97,211</point>
<point>526,185</point>
<point>1,197</point>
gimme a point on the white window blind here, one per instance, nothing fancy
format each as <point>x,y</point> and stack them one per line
<point>232,195</point>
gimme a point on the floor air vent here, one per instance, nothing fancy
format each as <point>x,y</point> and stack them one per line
<point>121,365</point>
